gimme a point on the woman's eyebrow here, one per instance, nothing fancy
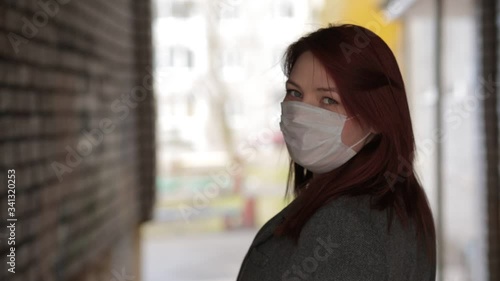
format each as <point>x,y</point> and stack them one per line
<point>289,81</point>
<point>320,89</point>
<point>331,89</point>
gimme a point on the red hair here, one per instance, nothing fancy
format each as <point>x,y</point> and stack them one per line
<point>370,85</point>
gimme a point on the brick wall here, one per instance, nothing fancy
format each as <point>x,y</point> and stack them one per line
<point>76,124</point>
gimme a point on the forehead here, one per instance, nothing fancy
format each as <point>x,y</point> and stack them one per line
<point>309,72</point>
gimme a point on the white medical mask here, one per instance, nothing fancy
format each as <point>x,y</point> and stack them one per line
<point>313,136</point>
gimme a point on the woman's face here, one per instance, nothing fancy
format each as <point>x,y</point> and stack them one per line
<point>309,83</point>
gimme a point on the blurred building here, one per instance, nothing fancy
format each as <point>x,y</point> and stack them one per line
<point>219,86</point>
<point>219,74</point>
<point>458,174</point>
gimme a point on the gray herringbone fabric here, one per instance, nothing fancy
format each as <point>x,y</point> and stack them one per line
<point>344,240</point>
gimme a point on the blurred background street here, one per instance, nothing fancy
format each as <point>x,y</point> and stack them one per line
<point>210,257</point>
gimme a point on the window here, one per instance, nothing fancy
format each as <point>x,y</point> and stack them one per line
<point>226,9</point>
<point>230,64</point>
<point>175,56</point>
<point>230,58</point>
<point>176,8</point>
<point>283,9</point>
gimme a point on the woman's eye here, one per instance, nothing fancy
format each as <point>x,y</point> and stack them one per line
<point>293,93</point>
<point>329,101</point>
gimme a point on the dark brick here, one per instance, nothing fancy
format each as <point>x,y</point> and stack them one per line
<point>61,82</point>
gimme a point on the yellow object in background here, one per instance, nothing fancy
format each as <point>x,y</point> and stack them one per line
<point>366,13</point>
<point>267,207</point>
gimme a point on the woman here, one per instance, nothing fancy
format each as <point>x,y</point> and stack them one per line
<point>359,211</point>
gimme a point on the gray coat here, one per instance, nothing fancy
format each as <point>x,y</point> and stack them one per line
<point>344,240</point>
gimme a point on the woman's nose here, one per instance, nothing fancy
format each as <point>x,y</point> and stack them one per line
<point>310,99</point>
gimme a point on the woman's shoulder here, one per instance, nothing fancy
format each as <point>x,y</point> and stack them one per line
<point>353,222</point>
<point>347,211</point>
<point>358,243</point>
<point>339,237</point>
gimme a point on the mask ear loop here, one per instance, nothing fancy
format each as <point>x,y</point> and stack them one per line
<point>358,142</point>
<point>363,138</point>
<point>351,117</point>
